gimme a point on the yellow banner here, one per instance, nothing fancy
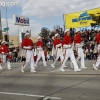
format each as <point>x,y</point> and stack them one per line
<point>80,19</point>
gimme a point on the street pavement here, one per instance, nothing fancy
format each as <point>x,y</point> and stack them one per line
<point>50,83</point>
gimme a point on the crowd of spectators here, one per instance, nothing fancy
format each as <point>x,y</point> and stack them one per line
<point>88,36</point>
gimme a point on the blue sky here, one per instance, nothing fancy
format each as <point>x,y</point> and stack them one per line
<point>43,13</point>
<point>16,10</point>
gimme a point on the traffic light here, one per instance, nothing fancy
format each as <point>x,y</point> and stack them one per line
<point>6,37</point>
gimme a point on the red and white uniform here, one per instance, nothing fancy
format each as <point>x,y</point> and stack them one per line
<point>97,63</point>
<point>28,46</point>
<point>5,49</point>
<point>39,46</point>
<point>57,43</point>
<point>1,49</point>
<point>5,55</point>
<point>58,46</point>
<point>67,45</point>
<point>98,42</point>
<point>79,50</point>
<point>1,57</point>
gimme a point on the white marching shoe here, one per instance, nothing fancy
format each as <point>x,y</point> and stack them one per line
<point>9,68</point>
<point>45,65</point>
<point>77,70</point>
<point>65,66</point>
<point>95,67</point>
<point>61,69</point>
<point>22,70</point>
<point>52,66</point>
<point>33,71</point>
<point>1,67</point>
<point>83,67</point>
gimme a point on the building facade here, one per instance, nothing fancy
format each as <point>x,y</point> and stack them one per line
<point>14,40</point>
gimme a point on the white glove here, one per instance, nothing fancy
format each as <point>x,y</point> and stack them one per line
<point>2,52</point>
<point>39,48</point>
<point>78,45</point>
<point>29,47</point>
<point>69,46</point>
<point>9,52</point>
<point>58,45</point>
<point>65,46</point>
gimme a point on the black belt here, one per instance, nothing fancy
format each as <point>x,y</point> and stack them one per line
<point>4,53</point>
<point>28,49</point>
<point>68,48</point>
<point>59,47</point>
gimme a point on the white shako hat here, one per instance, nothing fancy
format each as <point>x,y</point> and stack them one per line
<point>39,37</point>
<point>56,35</point>
<point>67,30</point>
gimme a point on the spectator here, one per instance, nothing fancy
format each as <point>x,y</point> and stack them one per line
<point>23,59</point>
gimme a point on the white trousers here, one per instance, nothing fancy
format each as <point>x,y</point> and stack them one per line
<point>69,53</point>
<point>4,57</point>
<point>41,54</point>
<point>80,56</point>
<point>97,63</point>
<point>58,54</point>
<point>29,59</point>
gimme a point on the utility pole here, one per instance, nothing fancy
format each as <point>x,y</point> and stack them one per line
<point>0,27</point>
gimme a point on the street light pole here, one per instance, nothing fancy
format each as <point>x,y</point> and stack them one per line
<point>18,34</point>
<point>0,27</point>
<point>6,22</point>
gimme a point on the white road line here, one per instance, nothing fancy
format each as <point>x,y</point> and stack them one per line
<point>29,95</point>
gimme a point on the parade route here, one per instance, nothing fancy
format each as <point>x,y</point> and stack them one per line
<point>49,83</point>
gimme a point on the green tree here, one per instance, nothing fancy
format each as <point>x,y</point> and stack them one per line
<point>52,34</point>
<point>96,19</point>
<point>44,32</point>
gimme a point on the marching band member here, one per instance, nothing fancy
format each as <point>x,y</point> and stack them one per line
<point>67,45</point>
<point>97,63</point>
<point>5,55</point>
<point>39,46</point>
<point>28,46</point>
<point>78,44</point>
<point>58,46</point>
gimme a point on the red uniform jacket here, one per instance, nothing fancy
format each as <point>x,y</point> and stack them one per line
<point>77,39</point>
<point>98,38</point>
<point>67,40</point>
<point>27,42</point>
<point>39,44</point>
<point>5,49</point>
<point>56,42</point>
